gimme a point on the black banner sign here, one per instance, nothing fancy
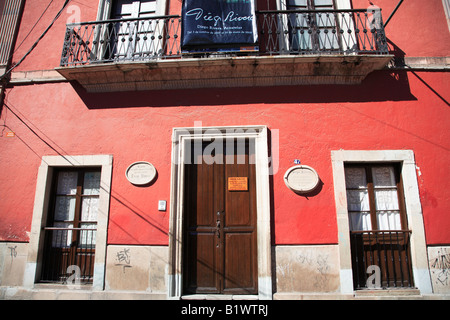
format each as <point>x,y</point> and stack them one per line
<point>213,24</point>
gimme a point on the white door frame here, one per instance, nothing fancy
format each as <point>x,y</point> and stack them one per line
<point>180,137</point>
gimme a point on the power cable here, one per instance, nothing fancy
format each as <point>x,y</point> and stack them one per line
<point>37,41</point>
<point>37,135</point>
<point>32,28</point>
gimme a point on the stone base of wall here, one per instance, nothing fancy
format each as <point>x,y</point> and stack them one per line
<point>439,264</point>
<point>313,269</point>
<point>140,273</point>
<point>137,268</point>
<point>49,293</point>
<point>134,271</point>
<point>13,258</point>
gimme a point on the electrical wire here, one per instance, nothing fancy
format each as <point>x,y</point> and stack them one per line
<point>31,129</point>
<point>32,28</point>
<point>37,41</point>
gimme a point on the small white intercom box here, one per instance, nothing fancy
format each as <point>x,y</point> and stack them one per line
<point>162,205</point>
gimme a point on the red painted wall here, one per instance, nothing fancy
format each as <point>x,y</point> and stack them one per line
<point>419,28</point>
<point>35,19</point>
<point>390,110</point>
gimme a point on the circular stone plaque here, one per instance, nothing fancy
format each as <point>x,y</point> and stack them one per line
<point>140,173</point>
<point>301,179</point>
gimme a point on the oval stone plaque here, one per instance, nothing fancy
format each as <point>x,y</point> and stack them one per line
<point>301,179</point>
<point>140,173</point>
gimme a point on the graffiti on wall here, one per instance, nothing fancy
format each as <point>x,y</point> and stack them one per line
<point>440,267</point>
<point>306,270</point>
<point>123,259</point>
<point>13,252</point>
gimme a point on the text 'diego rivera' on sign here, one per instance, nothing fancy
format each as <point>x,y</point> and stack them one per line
<point>218,24</point>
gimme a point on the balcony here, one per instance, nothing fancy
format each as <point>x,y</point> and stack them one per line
<point>294,48</point>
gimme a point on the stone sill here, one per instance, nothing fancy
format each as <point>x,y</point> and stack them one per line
<point>223,72</point>
<point>219,297</point>
<point>387,292</point>
<point>55,292</point>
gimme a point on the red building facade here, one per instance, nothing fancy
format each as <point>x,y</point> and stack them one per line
<point>313,163</point>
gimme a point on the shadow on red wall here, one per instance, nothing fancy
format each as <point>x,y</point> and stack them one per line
<point>385,85</point>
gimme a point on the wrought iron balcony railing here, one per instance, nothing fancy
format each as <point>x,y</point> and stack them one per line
<point>121,40</point>
<point>321,32</point>
<point>341,32</point>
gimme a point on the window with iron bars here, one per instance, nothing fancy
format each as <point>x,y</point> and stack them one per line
<point>379,235</point>
<point>70,233</point>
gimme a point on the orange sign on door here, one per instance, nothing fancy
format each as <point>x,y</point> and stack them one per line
<point>237,184</point>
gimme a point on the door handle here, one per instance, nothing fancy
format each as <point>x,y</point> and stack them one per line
<point>218,228</point>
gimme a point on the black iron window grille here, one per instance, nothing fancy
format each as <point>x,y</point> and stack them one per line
<point>70,253</point>
<point>384,254</point>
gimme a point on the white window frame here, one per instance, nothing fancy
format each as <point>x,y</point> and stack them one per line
<point>340,5</point>
<point>104,9</point>
<point>446,5</point>
<point>421,274</point>
<point>41,206</point>
<point>104,13</point>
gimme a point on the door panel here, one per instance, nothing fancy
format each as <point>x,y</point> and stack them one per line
<point>136,39</point>
<point>220,224</point>
<point>147,8</point>
<point>202,274</point>
<point>133,9</point>
<point>313,31</point>
<point>205,200</point>
<point>203,191</point>
<point>239,269</point>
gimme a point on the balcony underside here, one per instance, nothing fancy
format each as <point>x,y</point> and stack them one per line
<point>245,71</point>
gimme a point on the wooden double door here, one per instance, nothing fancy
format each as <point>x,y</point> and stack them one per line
<point>220,244</point>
